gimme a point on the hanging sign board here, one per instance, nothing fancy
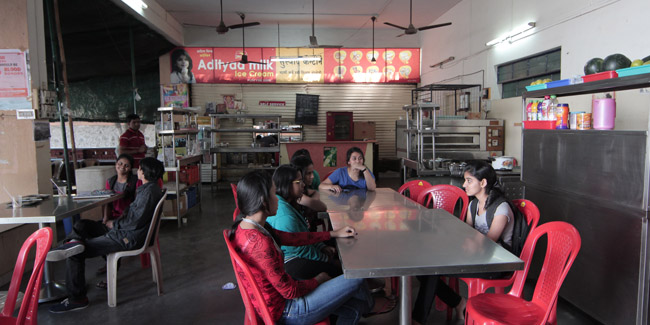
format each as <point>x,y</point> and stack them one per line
<point>304,65</point>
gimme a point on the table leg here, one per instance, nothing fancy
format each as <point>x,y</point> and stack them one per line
<point>50,290</point>
<point>405,300</point>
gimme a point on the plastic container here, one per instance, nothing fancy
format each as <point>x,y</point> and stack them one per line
<point>573,122</point>
<point>562,115</point>
<point>633,70</point>
<point>604,113</point>
<point>558,83</point>
<point>536,87</point>
<point>600,76</point>
<point>551,109</point>
<point>539,125</point>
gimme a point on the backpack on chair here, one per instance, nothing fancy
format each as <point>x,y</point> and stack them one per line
<point>519,231</point>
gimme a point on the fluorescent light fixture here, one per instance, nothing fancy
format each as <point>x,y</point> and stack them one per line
<point>296,58</point>
<point>511,34</point>
<point>136,5</point>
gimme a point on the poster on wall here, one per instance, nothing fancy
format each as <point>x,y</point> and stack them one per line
<point>175,95</point>
<point>329,156</point>
<point>15,90</point>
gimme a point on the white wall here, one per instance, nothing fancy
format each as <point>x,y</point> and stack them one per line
<point>584,29</point>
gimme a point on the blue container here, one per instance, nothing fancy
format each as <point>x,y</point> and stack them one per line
<point>558,83</point>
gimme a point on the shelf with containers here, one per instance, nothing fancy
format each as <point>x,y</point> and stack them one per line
<point>598,181</point>
<point>180,152</point>
<point>232,149</point>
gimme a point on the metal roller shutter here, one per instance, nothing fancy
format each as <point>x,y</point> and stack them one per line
<point>369,102</point>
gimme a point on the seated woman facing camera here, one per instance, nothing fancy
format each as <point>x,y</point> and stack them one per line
<point>480,182</point>
<point>355,175</point>
<point>290,301</point>
<point>301,262</point>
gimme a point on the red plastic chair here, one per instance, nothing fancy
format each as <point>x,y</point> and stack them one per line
<point>234,194</point>
<point>477,286</point>
<point>445,197</point>
<point>497,308</point>
<point>242,271</point>
<point>29,307</point>
<point>414,188</point>
<point>326,176</point>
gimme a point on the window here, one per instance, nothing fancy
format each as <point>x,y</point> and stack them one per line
<point>514,76</point>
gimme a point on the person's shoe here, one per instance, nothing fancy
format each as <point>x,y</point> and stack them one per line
<point>68,305</point>
<point>64,251</point>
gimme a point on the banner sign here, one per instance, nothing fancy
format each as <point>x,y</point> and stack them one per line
<point>15,90</point>
<point>304,65</point>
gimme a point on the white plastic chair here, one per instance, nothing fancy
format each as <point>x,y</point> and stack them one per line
<point>150,246</point>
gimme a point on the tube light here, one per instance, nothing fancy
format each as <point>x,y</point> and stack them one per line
<point>296,58</point>
<point>511,34</point>
<point>136,5</point>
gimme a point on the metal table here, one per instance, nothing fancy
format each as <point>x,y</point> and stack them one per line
<point>49,211</point>
<point>398,238</point>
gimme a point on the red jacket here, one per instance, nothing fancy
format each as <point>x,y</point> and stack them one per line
<point>267,265</point>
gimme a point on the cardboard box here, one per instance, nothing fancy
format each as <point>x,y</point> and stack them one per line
<point>169,207</point>
<point>364,130</point>
<point>93,178</point>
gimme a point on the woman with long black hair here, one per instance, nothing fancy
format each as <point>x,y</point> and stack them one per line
<point>480,182</point>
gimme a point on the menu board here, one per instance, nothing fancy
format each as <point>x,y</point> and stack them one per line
<point>307,109</point>
<point>341,65</point>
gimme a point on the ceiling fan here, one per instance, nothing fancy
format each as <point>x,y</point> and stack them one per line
<point>411,29</point>
<point>244,56</point>
<point>313,43</point>
<point>222,28</point>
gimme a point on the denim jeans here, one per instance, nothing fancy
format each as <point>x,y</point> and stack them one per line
<point>346,298</point>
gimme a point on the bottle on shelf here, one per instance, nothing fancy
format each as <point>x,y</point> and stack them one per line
<point>552,116</point>
<point>544,108</point>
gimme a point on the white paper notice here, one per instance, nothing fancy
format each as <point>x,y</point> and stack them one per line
<point>14,81</point>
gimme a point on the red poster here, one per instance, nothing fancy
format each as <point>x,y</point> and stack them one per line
<point>202,64</point>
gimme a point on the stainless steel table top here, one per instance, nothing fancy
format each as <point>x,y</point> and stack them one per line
<point>399,240</point>
<point>362,200</point>
<point>51,209</point>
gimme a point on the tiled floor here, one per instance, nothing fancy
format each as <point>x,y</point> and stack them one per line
<point>195,267</point>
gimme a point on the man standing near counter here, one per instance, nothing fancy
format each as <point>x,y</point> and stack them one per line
<point>132,141</point>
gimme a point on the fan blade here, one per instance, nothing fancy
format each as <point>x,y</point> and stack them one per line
<point>331,46</point>
<point>256,62</point>
<point>244,25</point>
<point>400,35</point>
<point>396,26</point>
<point>434,26</point>
<point>196,25</point>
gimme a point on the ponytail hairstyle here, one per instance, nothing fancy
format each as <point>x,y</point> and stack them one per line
<point>283,179</point>
<point>253,192</point>
<point>482,170</point>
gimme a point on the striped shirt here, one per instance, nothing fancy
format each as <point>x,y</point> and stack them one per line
<point>133,140</point>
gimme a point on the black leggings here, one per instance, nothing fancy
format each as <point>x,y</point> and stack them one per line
<point>431,286</point>
<point>304,269</point>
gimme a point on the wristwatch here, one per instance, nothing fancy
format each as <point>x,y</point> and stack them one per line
<point>364,170</point>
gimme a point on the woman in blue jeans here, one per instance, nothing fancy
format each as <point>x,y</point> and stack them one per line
<point>291,301</point>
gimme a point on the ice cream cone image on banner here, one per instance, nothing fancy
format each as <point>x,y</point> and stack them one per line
<point>339,56</point>
<point>339,71</point>
<point>389,56</point>
<point>389,71</point>
<point>405,56</point>
<point>404,71</point>
<point>356,56</point>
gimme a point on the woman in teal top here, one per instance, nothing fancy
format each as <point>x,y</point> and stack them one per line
<point>301,262</point>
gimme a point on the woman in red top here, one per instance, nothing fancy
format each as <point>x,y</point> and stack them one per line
<point>123,182</point>
<point>290,301</point>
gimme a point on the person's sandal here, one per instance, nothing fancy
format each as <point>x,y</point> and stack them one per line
<point>389,304</point>
<point>101,284</point>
